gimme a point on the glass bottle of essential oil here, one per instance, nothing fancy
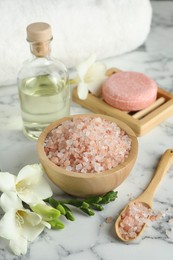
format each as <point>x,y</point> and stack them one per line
<point>44,91</point>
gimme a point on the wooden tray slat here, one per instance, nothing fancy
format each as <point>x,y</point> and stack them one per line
<point>149,109</point>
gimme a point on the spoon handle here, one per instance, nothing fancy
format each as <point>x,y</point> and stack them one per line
<point>162,168</point>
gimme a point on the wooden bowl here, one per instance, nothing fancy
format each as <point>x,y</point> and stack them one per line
<point>87,184</point>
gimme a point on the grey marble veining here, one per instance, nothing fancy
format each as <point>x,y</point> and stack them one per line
<point>91,238</point>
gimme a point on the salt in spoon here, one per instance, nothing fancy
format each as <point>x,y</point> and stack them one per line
<point>146,198</point>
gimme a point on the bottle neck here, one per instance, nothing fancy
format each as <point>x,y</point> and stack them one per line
<point>41,49</point>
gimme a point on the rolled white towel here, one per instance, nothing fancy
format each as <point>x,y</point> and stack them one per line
<point>80,27</point>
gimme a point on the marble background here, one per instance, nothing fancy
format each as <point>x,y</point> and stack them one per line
<point>92,238</point>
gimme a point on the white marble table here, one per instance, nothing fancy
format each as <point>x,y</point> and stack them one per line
<point>91,238</point>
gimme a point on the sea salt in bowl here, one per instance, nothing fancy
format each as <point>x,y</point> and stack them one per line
<point>87,155</point>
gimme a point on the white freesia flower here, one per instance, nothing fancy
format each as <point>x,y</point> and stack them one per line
<point>19,225</point>
<point>90,76</point>
<point>29,184</point>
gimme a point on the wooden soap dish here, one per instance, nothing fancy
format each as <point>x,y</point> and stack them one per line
<point>140,121</point>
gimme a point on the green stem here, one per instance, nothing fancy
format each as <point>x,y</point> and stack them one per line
<point>85,205</point>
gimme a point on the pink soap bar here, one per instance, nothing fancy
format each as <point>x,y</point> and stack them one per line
<point>129,91</point>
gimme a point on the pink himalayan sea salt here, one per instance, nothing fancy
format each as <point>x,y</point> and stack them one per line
<point>87,145</point>
<point>134,218</point>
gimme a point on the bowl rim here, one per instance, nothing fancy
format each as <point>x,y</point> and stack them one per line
<point>43,157</point>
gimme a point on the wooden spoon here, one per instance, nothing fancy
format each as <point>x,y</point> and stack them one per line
<point>146,198</point>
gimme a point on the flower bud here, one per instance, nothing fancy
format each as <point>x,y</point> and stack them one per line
<point>47,213</point>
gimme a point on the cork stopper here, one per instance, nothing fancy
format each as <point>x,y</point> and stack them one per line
<point>39,35</point>
<point>39,32</point>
